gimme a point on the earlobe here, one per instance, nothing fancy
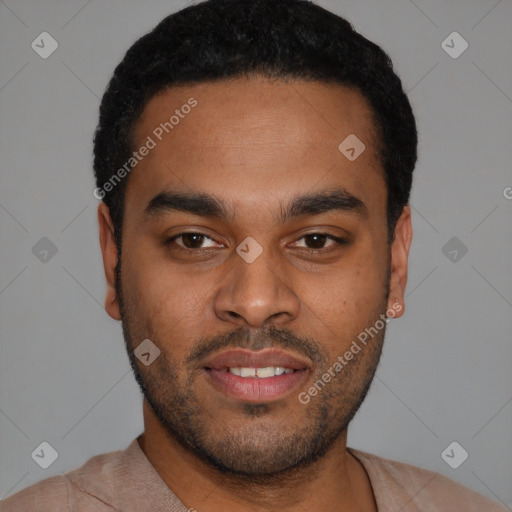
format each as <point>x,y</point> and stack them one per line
<point>109,254</point>
<point>399,261</point>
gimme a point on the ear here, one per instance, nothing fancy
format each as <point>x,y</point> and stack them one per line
<point>109,253</point>
<point>399,259</point>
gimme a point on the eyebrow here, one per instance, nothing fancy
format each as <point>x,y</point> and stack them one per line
<point>206,205</point>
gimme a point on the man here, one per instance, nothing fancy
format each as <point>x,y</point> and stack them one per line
<point>254,160</point>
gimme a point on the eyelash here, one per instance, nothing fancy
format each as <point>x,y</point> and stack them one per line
<point>339,241</point>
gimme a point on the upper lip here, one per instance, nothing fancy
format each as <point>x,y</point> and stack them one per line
<point>241,358</point>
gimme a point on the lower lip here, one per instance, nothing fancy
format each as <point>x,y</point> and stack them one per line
<point>256,390</point>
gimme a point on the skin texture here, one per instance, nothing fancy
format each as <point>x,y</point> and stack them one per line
<point>255,144</point>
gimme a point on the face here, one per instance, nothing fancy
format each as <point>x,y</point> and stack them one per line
<point>254,256</point>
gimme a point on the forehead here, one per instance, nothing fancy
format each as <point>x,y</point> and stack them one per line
<point>254,138</point>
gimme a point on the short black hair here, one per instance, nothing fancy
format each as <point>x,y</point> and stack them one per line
<point>222,39</point>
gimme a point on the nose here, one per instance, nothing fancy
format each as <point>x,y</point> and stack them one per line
<point>252,294</point>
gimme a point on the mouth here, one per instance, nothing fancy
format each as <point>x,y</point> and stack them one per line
<point>256,377</point>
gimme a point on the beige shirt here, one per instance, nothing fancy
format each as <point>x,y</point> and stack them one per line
<point>125,481</point>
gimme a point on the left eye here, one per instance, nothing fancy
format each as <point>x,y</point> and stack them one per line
<point>318,240</point>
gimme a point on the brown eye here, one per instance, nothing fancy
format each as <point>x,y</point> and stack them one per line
<point>191,241</point>
<point>316,241</point>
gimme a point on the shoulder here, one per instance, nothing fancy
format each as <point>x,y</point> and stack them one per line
<point>88,487</point>
<point>409,488</point>
<point>49,494</point>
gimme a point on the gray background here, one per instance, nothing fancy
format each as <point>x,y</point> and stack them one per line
<point>445,373</point>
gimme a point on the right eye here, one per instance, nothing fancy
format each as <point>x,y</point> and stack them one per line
<point>190,241</point>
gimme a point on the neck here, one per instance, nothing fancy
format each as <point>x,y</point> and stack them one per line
<point>337,481</point>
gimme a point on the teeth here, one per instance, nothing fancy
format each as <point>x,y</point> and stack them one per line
<point>262,373</point>
<point>248,372</point>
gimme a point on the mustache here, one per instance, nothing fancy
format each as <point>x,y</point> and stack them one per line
<point>244,337</point>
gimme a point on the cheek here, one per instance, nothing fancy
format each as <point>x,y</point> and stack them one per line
<point>355,283</point>
<point>161,294</point>
<point>347,299</point>
<point>161,304</point>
